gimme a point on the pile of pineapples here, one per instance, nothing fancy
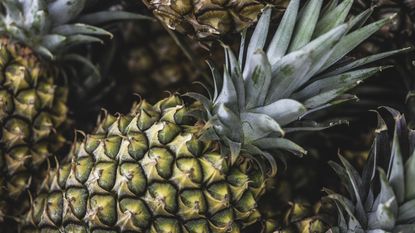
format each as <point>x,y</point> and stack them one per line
<point>213,116</point>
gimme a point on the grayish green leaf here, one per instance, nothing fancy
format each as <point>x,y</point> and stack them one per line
<point>258,80</point>
<point>282,37</point>
<point>362,62</point>
<point>333,18</point>
<point>256,126</point>
<point>327,89</point>
<point>407,212</point>
<point>396,175</point>
<point>284,111</point>
<point>280,143</point>
<point>352,40</point>
<point>410,178</point>
<point>258,39</point>
<point>306,24</point>
<point>110,16</point>
<point>78,28</point>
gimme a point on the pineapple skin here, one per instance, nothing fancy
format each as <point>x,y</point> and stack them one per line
<point>93,192</point>
<point>303,217</point>
<point>32,109</point>
<point>35,61</point>
<point>148,172</point>
<point>209,19</point>
<point>299,216</point>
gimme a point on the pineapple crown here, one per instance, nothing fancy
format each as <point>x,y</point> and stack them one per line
<point>271,88</point>
<point>392,208</point>
<point>50,27</point>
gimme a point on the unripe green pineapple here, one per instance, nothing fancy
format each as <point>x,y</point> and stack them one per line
<point>141,170</point>
<point>210,19</point>
<point>287,206</point>
<point>35,36</point>
<point>301,217</point>
<point>32,107</point>
<point>201,166</point>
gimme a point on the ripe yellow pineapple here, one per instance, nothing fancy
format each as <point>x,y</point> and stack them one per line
<point>183,166</point>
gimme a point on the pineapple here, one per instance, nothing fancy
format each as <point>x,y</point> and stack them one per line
<point>35,36</point>
<point>294,216</point>
<point>210,19</point>
<point>292,202</point>
<point>302,217</point>
<point>33,105</point>
<point>201,166</point>
<point>389,209</point>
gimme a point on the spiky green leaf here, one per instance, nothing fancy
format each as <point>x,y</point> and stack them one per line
<point>284,111</point>
<point>258,80</point>
<point>352,40</point>
<point>306,24</point>
<point>333,18</point>
<point>282,37</point>
<point>256,126</point>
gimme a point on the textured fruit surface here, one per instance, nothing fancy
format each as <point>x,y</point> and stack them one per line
<point>156,170</point>
<point>209,18</point>
<point>145,172</point>
<point>302,217</point>
<point>32,107</point>
<point>36,57</point>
